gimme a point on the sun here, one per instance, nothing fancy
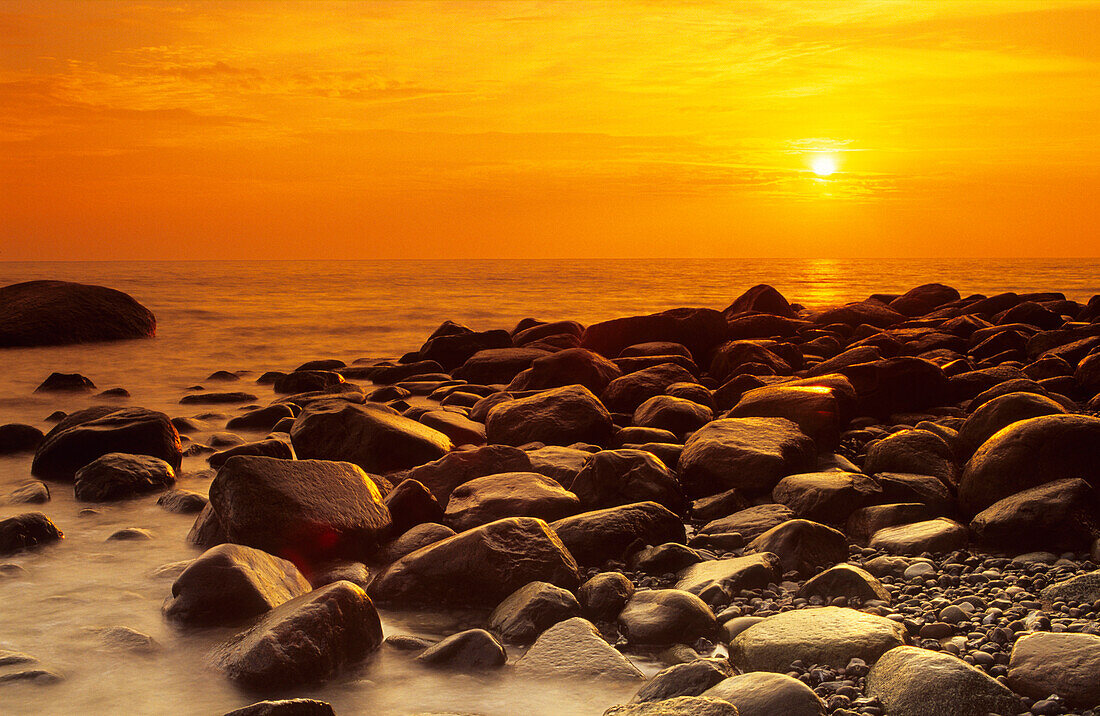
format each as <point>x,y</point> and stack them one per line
<point>823,165</point>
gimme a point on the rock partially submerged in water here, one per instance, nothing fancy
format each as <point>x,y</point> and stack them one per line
<point>304,641</point>
<point>53,313</point>
<point>574,649</point>
<point>88,434</point>
<point>27,530</point>
<point>307,511</point>
<point>119,476</point>
<point>17,437</point>
<point>531,610</point>
<point>285,707</point>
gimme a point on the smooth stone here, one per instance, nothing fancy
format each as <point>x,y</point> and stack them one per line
<point>285,707</point>
<point>119,476</point>
<point>1068,665</point>
<point>595,537</point>
<point>765,694</point>
<point>512,494</point>
<point>717,581</point>
<point>803,546</point>
<point>88,434</point>
<point>621,477</point>
<point>911,681</point>
<point>658,617</point>
<point>531,610</point>
<point>604,595</point>
<point>470,650</point>
<point>677,706</point>
<point>751,454</point>
<point>845,580</point>
<point>574,649</point>
<point>27,530</point>
<point>688,679</point>
<point>560,416</point>
<point>34,492</point>
<point>938,535</point>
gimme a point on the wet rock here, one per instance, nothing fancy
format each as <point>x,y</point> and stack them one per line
<point>897,385</point>
<point>286,707</point>
<point>560,463</point>
<point>304,381</point>
<point>664,559</point>
<point>845,580</point>
<point>479,567</point>
<point>627,393</point>
<point>917,452</point>
<point>690,679</point>
<point>371,436</point>
<point>27,530</point>
<point>677,706</point>
<point>750,454</point>
<point>803,546</point>
<point>88,434</point>
<point>659,617</point>
<point>452,350</point>
<point>65,383</point>
<point>184,502</point>
<point>620,477</point>
<point>16,437</point>
<point>470,650</point>
<point>416,537</point>
<point>717,506</point>
<point>512,494</point>
<point>305,640</point>
<point>53,313</point>
<point>217,398</point>
<point>718,581</point>
<point>763,694</point>
<point>1064,664</point>
<point>39,677</point>
<point>865,522</point>
<point>411,504</point>
<point>113,393</point>
<point>871,312</point>
<point>119,476</point>
<point>938,535</point>
<point>261,418</point>
<point>574,366</point>
<point>604,595</point>
<point>498,365</point>
<point>303,510</point>
<point>999,413</point>
<point>230,583</point>
<point>130,534</point>
<point>1027,454</point>
<point>442,476</point>
<point>342,570</point>
<point>530,610</point>
<point>460,429</point>
<point>595,537</point>
<point>207,529</point>
<point>815,409</point>
<point>902,487</point>
<point>677,415</point>
<point>699,329</point>
<point>31,493</point>
<point>830,636</point>
<point>750,522</point>
<point>561,416</point>
<point>120,638</point>
<point>828,497</point>
<point>574,649</point>
<point>761,298</point>
<point>1060,516</point>
<point>919,682</point>
<point>924,299</point>
<point>1079,588</point>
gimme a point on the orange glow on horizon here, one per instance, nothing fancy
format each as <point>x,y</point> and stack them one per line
<point>251,130</point>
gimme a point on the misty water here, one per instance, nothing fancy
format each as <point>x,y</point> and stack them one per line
<point>259,316</point>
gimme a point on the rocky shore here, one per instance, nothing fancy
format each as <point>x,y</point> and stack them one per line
<point>888,507</point>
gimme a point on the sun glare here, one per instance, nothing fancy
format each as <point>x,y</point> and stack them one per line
<point>823,165</point>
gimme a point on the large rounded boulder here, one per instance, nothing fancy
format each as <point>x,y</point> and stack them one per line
<point>751,454</point>
<point>620,477</point>
<point>55,313</point>
<point>118,476</point>
<point>601,535</point>
<point>561,416</point>
<point>511,494</point>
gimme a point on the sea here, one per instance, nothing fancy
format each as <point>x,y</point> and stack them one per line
<point>256,316</point>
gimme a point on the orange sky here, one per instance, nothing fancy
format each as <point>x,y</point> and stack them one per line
<point>148,130</point>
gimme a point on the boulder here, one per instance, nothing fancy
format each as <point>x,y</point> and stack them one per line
<point>573,366</point>
<point>752,356</point>
<point>65,383</point>
<point>261,418</point>
<point>442,476</point>
<point>231,583</point>
<point>620,477</point>
<point>917,452</point>
<point>479,567</point>
<point>677,706</point>
<point>803,546</point>
<point>903,487</point>
<point>910,681</point>
<point>16,437</point>
<point>303,641</point>
<point>1064,664</point>
<point>285,707</point>
<point>371,436</point>
<point>827,497</point>
<point>871,312</point>
<point>561,416</point>
<point>660,617</point>
<point>939,535</point>
<point>411,504</point>
<point>814,409</point>
<point>750,454</point>
<point>1027,454</point>
<point>997,414</point>
<point>498,366</point>
<point>34,492</point>
<point>897,385</point>
<point>1059,516</point>
<point>677,415</point>
<point>627,393</point>
<point>689,679</point>
<point>531,610</point>
<point>1081,588</point>
<point>604,595</point>
<point>511,494</point>
<point>118,476</point>
<point>54,313</point>
<point>460,429</point>
<point>26,530</point>
<point>416,537</point>
<point>845,580</point>
<point>764,694</point>
<point>307,511</point>
<point>278,447</point>
<point>750,522</point>
<point>865,522</point>
<point>761,298</point>
<point>699,329</point>
<point>574,650</point>
<point>667,558</point>
<point>470,650</point>
<point>924,299</point>
<point>595,537</point>
<point>87,434</point>
<point>717,581</point>
<point>828,636</point>
<point>452,350</point>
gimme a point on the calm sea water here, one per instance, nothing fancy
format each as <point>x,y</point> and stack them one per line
<point>260,316</point>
